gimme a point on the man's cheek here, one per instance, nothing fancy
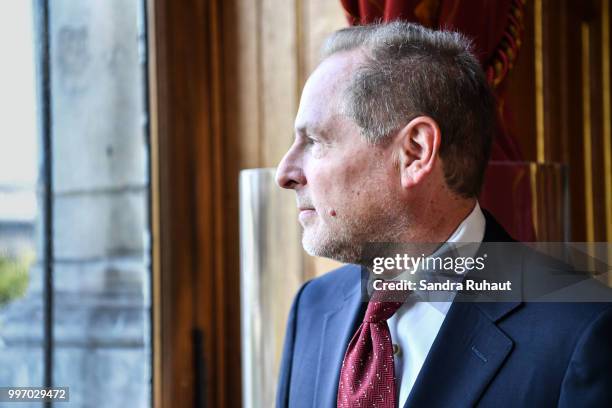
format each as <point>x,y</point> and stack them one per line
<point>323,185</point>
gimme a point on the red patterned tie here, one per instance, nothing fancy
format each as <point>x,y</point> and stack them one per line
<point>367,378</point>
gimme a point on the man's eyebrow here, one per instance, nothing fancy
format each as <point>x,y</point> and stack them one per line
<point>305,130</point>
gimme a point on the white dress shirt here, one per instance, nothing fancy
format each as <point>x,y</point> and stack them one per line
<point>415,325</point>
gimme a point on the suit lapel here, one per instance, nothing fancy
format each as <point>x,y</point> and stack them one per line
<point>466,354</point>
<point>469,348</point>
<point>339,327</point>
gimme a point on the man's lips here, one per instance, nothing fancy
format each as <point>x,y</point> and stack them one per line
<point>303,206</point>
<point>305,212</point>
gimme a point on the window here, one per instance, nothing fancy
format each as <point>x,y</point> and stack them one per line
<point>74,200</point>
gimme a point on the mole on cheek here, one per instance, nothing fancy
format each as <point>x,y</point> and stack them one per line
<point>332,212</point>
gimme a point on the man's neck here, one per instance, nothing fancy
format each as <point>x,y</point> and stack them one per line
<point>440,222</point>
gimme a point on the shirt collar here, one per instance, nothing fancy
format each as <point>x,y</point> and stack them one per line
<point>471,229</point>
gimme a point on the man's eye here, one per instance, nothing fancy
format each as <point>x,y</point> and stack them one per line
<point>310,140</point>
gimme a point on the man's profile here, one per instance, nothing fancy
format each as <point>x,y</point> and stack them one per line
<point>392,138</point>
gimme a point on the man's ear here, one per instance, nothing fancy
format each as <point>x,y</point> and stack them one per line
<point>418,144</point>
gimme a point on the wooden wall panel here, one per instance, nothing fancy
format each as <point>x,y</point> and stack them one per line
<point>269,49</point>
<point>520,79</point>
<point>594,74</point>
<point>572,124</point>
<point>278,65</point>
<point>607,114</point>
<point>320,18</point>
<point>242,82</point>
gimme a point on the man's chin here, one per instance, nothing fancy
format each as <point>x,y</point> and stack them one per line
<point>326,248</point>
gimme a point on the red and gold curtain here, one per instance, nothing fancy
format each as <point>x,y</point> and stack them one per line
<point>495,27</point>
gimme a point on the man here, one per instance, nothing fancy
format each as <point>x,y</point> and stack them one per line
<point>392,138</point>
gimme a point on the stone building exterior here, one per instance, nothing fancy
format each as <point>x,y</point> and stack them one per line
<point>100,220</point>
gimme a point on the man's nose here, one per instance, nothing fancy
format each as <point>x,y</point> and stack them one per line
<point>289,173</point>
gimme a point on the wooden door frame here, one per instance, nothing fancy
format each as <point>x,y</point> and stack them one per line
<point>195,302</point>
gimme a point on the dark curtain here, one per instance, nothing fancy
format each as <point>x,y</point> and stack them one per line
<point>495,27</point>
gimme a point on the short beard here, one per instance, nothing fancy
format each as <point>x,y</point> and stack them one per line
<point>348,244</point>
<point>346,252</point>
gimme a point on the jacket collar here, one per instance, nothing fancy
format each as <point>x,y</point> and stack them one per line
<point>469,348</point>
<point>339,325</point>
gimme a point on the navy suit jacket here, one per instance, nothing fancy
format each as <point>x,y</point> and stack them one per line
<point>512,354</point>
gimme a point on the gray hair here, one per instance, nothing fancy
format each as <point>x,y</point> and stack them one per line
<point>409,71</point>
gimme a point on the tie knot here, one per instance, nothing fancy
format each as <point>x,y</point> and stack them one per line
<point>379,311</point>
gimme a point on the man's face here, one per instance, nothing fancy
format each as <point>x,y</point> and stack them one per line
<point>344,186</point>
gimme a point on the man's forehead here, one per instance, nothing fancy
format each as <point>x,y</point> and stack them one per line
<point>322,95</point>
<point>335,70</point>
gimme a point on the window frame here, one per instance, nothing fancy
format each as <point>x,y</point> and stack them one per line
<point>196,307</point>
